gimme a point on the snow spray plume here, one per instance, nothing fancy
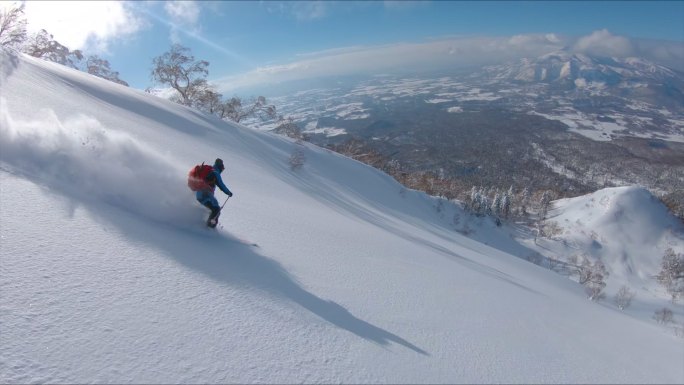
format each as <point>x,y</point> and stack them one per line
<point>83,159</point>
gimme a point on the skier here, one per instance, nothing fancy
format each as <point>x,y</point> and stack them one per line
<point>206,195</point>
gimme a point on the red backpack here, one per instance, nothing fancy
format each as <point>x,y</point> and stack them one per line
<point>197,177</point>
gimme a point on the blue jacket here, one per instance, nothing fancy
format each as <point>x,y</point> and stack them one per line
<point>219,181</point>
<point>215,175</point>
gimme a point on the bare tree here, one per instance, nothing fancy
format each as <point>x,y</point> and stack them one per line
<point>100,68</point>
<point>535,258</point>
<point>555,264</point>
<point>236,111</point>
<point>671,273</point>
<point>624,297</point>
<point>204,97</point>
<point>592,276</point>
<point>297,159</point>
<point>545,204</point>
<point>13,34</point>
<point>12,27</point>
<point>178,69</point>
<point>524,201</point>
<point>43,46</point>
<point>663,316</point>
<point>287,127</point>
<point>679,329</point>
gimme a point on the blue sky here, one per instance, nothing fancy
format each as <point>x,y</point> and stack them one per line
<point>250,43</point>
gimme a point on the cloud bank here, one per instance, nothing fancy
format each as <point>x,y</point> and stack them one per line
<point>450,53</point>
<point>85,25</point>
<point>603,43</point>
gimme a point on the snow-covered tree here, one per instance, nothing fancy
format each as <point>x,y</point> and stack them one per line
<point>671,273</point>
<point>511,192</point>
<point>472,202</point>
<point>12,26</point>
<point>496,204</point>
<point>485,205</point>
<point>525,196</point>
<point>592,276</point>
<point>624,297</point>
<point>506,205</point>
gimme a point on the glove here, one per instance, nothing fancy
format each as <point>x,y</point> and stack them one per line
<point>230,195</point>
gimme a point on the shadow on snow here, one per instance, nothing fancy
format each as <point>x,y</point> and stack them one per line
<point>226,259</point>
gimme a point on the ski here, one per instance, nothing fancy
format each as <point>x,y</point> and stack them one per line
<point>241,240</point>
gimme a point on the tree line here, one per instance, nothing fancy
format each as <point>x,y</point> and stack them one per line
<point>176,68</point>
<point>42,45</point>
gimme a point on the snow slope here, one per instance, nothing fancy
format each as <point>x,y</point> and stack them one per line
<point>108,275</point>
<point>626,227</point>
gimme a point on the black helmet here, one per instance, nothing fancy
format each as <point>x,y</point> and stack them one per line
<point>218,164</point>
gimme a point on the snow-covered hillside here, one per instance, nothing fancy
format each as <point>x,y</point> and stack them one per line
<point>626,228</point>
<point>580,69</point>
<point>107,273</point>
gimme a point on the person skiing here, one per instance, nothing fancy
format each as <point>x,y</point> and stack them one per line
<point>206,196</point>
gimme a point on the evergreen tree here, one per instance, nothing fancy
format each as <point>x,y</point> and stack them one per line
<point>545,204</point>
<point>496,204</point>
<point>506,206</point>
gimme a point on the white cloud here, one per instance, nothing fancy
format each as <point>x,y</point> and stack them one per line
<point>604,43</point>
<point>183,18</point>
<point>300,10</point>
<point>437,54</point>
<point>452,53</point>
<point>90,25</point>
<point>536,40</point>
<point>183,12</point>
<point>552,37</point>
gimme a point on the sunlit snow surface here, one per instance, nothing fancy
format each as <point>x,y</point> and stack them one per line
<point>107,273</point>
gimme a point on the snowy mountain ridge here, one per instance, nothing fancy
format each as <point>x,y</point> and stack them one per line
<point>108,275</point>
<point>580,69</point>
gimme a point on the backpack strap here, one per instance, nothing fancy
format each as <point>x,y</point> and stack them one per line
<point>197,169</point>
<point>211,178</point>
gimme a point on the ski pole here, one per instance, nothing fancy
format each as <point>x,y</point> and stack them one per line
<point>224,203</point>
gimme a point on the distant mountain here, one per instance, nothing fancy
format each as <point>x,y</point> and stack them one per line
<point>634,78</point>
<point>579,69</point>
<point>568,122</point>
<point>640,98</point>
